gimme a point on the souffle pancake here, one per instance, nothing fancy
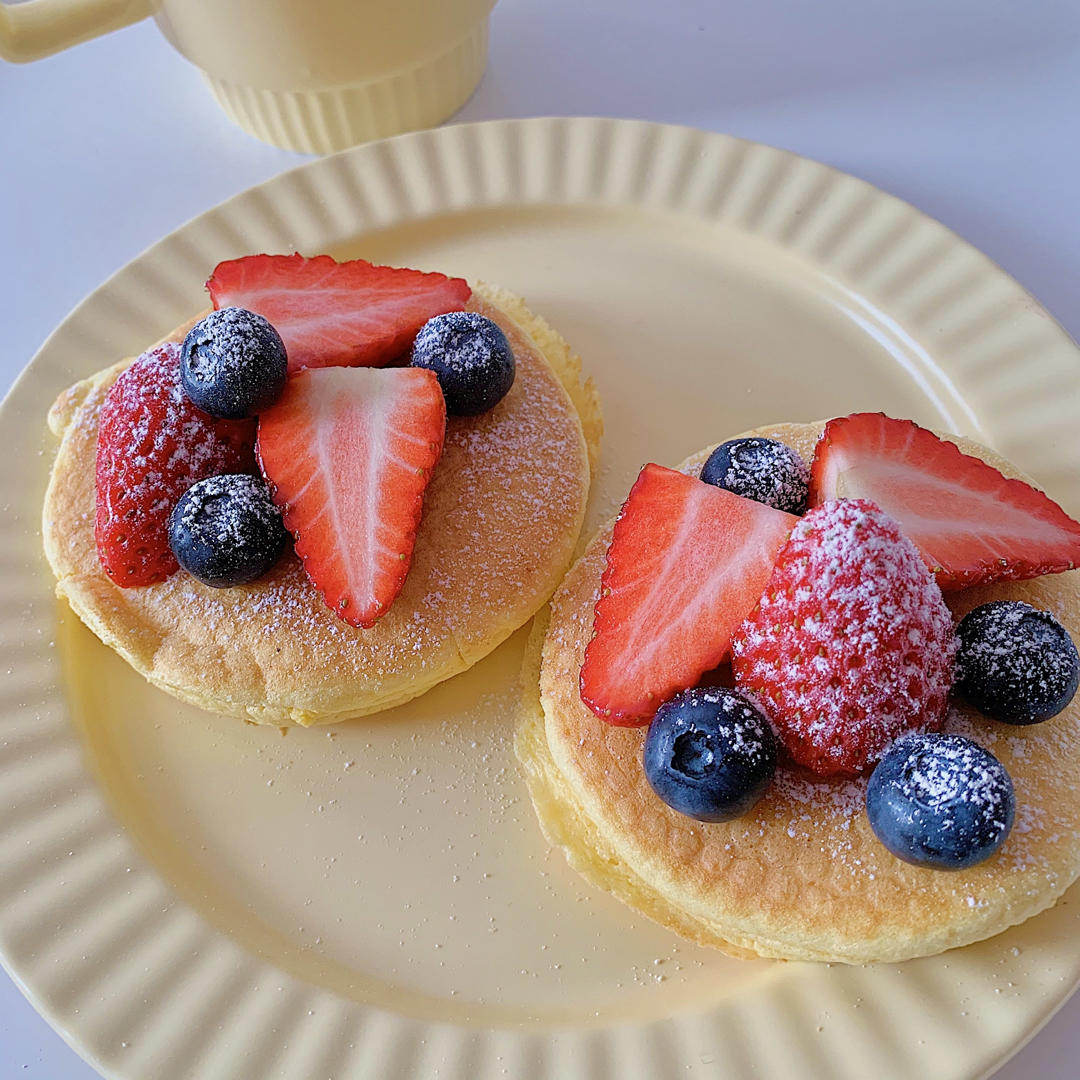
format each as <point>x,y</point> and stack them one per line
<point>482,536</point>
<point>799,863</point>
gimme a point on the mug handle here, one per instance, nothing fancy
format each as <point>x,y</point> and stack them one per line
<point>38,28</point>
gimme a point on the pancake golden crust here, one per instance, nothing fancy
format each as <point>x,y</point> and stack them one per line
<point>502,516</point>
<point>801,876</point>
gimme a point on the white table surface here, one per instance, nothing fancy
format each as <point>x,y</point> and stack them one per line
<point>966,108</point>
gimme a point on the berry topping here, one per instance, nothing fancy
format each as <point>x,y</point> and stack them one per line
<point>226,530</point>
<point>1015,663</point>
<point>940,801</point>
<point>710,754</point>
<point>971,524</point>
<point>471,357</point>
<point>153,444</point>
<point>333,314</point>
<point>348,453</point>
<point>764,470</point>
<point>687,563</point>
<point>233,364</point>
<point>851,644</point>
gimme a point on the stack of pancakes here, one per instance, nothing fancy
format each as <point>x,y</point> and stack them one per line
<point>801,876</point>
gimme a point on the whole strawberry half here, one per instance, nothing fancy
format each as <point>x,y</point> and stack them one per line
<point>972,525</point>
<point>336,314</point>
<point>851,644</point>
<point>686,564</point>
<point>153,444</point>
<point>348,454</point>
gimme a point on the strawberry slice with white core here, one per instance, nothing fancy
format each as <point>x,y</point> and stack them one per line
<point>972,525</point>
<point>687,563</point>
<point>348,453</point>
<point>333,314</point>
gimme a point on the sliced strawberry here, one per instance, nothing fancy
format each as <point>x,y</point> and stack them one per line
<point>348,453</point>
<point>153,444</point>
<point>333,314</point>
<point>686,565</point>
<point>971,524</point>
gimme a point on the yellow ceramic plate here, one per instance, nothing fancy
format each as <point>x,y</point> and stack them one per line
<point>185,896</point>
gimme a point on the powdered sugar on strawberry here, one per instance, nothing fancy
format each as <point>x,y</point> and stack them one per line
<point>153,444</point>
<point>851,644</point>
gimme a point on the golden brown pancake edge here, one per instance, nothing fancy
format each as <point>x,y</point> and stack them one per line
<point>801,876</point>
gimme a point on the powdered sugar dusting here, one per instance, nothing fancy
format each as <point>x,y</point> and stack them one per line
<point>462,341</point>
<point>824,811</point>
<point>517,489</point>
<point>764,470</point>
<point>221,507</point>
<point>807,846</point>
<point>153,445</point>
<point>852,643</point>
<point>745,735</point>
<point>500,520</point>
<point>955,771</point>
<point>844,799</point>
<point>1016,662</point>
<point>229,330</point>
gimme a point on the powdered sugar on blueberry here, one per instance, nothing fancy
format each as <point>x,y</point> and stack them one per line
<point>765,470</point>
<point>940,800</point>
<point>233,363</point>
<point>471,357</point>
<point>1016,664</point>
<point>958,771</point>
<point>710,753</point>
<point>226,531</point>
<point>225,524</point>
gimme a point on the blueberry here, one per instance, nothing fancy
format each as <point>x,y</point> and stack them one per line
<point>226,531</point>
<point>1015,663</point>
<point>940,801</point>
<point>710,753</point>
<point>471,357</point>
<point>764,470</point>
<point>233,364</point>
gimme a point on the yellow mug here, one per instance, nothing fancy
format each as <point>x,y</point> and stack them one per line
<point>310,75</point>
